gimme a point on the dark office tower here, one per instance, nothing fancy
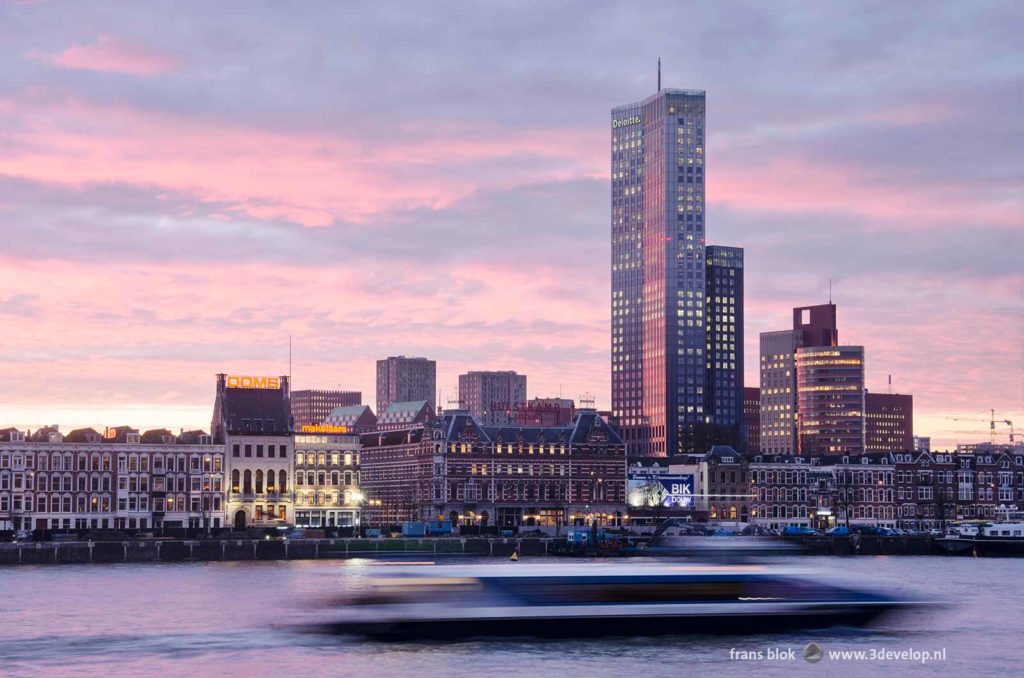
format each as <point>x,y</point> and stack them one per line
<point>817,325</point>
<point>401,379</point>
<point>752,418</point>
<point>658,271</point>
<point>724,349</point>
<point>888,422</point>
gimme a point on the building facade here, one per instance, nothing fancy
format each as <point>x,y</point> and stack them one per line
<point>401,379</point>
<point>778,399</point>
<point>120,479</point>
<point>830,400</point>
<point>492,397</point>
<point>888,422</point>
<point>312,407</point>
<point>752,419</point>
<point>659,336</point>
<point>544,412</point>
<point>252,418</point>
<point>403,415</point>
<point>327,480</point>
<point>354,418</point>
<point>724,330</point>
<point>496,477</point>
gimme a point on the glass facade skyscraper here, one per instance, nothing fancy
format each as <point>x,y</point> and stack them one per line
<point>724,322</point>
<point>659,333</point>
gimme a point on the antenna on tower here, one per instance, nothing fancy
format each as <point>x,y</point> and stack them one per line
<point>830,290</point>
<point>289,359</point>
<point>659,74</point>
<point>890,384</point>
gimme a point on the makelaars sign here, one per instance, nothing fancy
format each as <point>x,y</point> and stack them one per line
<point>626,122</point>
<point>322,428</point>
<point>253,382</point>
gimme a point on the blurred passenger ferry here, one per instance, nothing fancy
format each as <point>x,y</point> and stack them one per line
<point>454,602</point>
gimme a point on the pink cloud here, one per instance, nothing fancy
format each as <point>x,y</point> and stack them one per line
<point>308,177</point>
<point>114,55</point>
<point>794,185</point>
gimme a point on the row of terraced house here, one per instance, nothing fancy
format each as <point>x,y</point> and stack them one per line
<point>913,490</point>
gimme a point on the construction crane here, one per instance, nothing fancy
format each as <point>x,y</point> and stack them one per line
<point>991,421</point>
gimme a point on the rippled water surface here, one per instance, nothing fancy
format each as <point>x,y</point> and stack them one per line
<point>242,619</point>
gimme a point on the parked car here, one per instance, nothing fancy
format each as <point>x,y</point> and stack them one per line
<point>839,531</point>
<point>798,531</point>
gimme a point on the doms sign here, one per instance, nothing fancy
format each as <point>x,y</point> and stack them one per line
<point>254,382</point>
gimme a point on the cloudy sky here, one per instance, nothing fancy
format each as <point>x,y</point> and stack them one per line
<point>182,186</point>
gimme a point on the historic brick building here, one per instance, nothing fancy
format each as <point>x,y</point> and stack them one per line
<point>499,477</point>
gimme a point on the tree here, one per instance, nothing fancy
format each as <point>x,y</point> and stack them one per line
<point>843,492</point>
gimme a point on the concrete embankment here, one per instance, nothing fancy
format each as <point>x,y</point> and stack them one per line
<point>171,551</point>
<point>182,550</point>
<point>867,545</point>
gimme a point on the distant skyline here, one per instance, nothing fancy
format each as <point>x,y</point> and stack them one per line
<point>182,188</point>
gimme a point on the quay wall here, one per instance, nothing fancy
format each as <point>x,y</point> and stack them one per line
<point>183,550</point>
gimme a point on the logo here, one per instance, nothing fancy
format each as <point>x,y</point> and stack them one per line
<point>626,122</point>
<point>322,428</point>
<point>254,382</point>
<point>813,653</point>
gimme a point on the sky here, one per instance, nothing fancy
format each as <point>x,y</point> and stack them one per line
<point>184,185</point>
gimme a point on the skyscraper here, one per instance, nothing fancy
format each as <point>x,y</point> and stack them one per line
<point>492,397</point>
<point>830,399</point>
<point>812,326</point>
<point>724,350</point>
<point>401,379</point>
<point>659,336</point>
<point>778,391</point>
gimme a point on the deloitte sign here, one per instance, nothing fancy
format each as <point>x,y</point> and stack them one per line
<point>626,122</point>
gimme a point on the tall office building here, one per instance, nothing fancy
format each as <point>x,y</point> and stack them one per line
<point>401,379</point>
<point>724,349</point>
<point>752,418</point>
<point>830,400</point>
<point>778,391</point>
<point>492,397</point>
<point>888,422</point>
<point>812,326</point>
<point>659,337</point>
<point>312,406</point>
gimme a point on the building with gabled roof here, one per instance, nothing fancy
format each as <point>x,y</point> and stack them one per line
<point>405,414</point>
<point>355,418</point>
<point>489,478</point>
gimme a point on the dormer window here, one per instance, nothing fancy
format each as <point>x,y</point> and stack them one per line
<point>132,438</point>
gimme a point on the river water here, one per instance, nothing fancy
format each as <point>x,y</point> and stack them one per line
<point>240,619</point>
